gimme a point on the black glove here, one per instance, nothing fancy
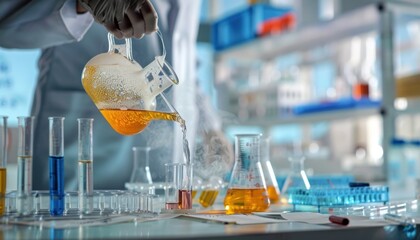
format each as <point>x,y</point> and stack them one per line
<point>124,18</point>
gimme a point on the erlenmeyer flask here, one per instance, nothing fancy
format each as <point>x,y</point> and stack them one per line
<point>270,178</point>
<point>297,176</point>
<point>247,190</point>
<point>141,170</point>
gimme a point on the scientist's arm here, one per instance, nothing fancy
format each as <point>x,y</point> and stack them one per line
<point>45,23</point>
<point>41,23</point>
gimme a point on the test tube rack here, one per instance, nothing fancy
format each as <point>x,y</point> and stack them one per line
<point>104,202</point>
<point>340,196</point>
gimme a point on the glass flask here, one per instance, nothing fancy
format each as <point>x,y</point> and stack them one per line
<point>210,192</point>
<point>270,178</point>
<point>141,170</point>
<point>125,92</point>
<point>297,176</point>
<point>247,191</point>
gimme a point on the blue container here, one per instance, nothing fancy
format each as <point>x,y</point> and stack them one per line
<point>243,26</point>
<point>342,196</point>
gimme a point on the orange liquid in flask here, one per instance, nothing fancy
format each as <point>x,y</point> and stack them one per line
<point>129,122</point>
<point>208,197</point>
<point>246,200</point>
<point>273,194</point>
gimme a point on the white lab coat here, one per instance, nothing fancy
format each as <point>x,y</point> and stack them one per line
<point>68,41</point>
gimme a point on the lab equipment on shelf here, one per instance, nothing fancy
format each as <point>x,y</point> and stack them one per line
<point>243,25</point>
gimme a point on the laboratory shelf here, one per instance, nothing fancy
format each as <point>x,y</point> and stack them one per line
<point>309,37</point>
<point>335,115</point>
<point>290,60</point>
<point>305,38</point>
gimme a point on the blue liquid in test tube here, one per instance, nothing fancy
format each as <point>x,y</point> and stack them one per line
<point>56,165</point>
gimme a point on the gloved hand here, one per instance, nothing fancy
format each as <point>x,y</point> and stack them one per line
<point>123,18</point>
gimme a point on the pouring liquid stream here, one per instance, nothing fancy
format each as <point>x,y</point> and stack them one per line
<point>133,121</point>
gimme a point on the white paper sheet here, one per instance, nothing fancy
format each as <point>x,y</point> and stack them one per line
<point>239,219</point>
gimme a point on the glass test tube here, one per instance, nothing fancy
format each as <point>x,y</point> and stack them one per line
<point>177,193</point>
<point>3,161</point>
<point>24,171</point>
<point>56,165</point>
<point>85,164</point>
<point>172,178</point>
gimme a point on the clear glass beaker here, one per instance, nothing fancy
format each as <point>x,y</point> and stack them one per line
<point>3,161</point>
<point>270,178</point>
<point>247,191</point>
<point>178,190</point>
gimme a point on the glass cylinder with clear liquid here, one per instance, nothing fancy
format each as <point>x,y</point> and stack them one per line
<point>85,165</point>
<point>247,190</point>
<point>24,159</point>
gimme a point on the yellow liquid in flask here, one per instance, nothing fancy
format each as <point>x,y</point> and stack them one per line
<point>273,194</point>
<point>246,200</point>
<point>207,197</point>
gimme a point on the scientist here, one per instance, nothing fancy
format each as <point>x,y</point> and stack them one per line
<point>70,33</point>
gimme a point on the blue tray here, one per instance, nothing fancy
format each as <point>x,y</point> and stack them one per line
<point>341,104</point>
<point>344,196</point>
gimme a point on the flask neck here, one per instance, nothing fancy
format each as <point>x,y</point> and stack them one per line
<point>296,164</point>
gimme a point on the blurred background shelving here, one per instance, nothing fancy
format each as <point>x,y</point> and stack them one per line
<point>260,84</point>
